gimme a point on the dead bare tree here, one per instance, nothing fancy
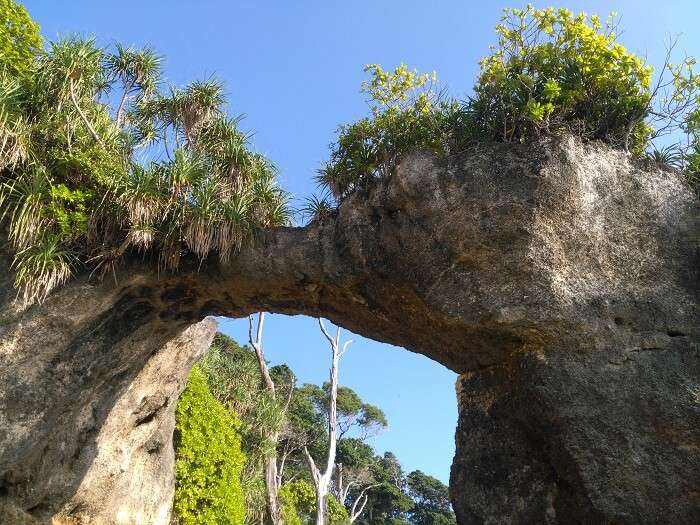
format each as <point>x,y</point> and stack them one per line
<point>322,480</point>
<point>358,506</point>
<point>343,493</point>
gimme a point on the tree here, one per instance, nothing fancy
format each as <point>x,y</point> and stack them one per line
<point>273,478</point>
<point>388,502</point>
<point>235,380</point>
<point>553,69</point>
<point>209,458</point>
<point>170,175</point>
<point>319,416</point>
<point>298,500</point>
<point>20,39</point>
<point>431,500</point>
<point>139,72</point>
<point>322,479</point>
<point>353,479</point>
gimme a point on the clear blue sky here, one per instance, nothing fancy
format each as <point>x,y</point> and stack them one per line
<point>294,69</point>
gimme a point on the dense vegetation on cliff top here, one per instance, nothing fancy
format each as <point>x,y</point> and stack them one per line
<point>98,159</point>
<point>229,377</point>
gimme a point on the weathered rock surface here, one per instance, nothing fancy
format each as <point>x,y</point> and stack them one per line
<point>560,279</point>
<point>582,436</point>
<point>87,408</point>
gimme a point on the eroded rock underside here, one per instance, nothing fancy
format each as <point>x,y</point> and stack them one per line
<point>559,279</point>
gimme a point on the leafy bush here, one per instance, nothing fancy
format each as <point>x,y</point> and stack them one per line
<point>298,502</point>
<point>690,89</point>
<point>235,380</point>
<point>20,39</point>
<point>209,458</point>
<point>552,69</point>
<point>406,115</point>
<point>431,500</point>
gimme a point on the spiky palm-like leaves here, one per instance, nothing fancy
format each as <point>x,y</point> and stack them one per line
<point>318,207</point>
<point>41,267</point>
<point>139,72</point>
<point>670,156</point>
<point>77,193</point>
<point>14,128</point>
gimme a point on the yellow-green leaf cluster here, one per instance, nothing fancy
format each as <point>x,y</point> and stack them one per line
<point>553,69</point>
<point>209,460</point>
<point>20,39</point>
<point>406,115</point>
<point>298,502</point>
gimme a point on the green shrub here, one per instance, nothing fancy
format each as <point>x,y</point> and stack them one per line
<point>170,174</point>
<point>552,69</point>
<point>20,39</point>
<point>298,502</point>
<point>407,115</point>
<point>209,459</point>
<point>234,378</point>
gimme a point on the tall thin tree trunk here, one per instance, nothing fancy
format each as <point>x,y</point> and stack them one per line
<point>272,481</point>
<point>321,494</point>
<point>271,486</point>
<point>85,120</point>
<point>122,104</point>
<point>322,480</point>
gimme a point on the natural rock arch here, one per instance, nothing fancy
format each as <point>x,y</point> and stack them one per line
<point>560,280</point>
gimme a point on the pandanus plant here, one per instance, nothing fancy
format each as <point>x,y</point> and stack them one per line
<point>87,176</point>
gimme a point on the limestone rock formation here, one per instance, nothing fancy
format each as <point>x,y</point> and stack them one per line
<point>88,409</point>
<point>560,279</point>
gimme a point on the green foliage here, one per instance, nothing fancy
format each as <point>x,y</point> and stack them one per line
<point>686,107</point>
<point>316,207</point>
<point>209,458</point>
<point>164,172</point>
<point>431,500</point>
<point>551,72</point>
<point>352,412</point>
<point>354,453</point>
<point>67,209</point>
<point>406,115</point>
<point>234,379</point>
<point>298,505</point>
<point>552,69</point>
<point>692,170</point>
<point>20,39</point>
<point>670,155</point>
<point>388,501</point>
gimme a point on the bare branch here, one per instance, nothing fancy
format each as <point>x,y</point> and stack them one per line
<point>345,346</point>
<point>261,320</point>
<point>315,473</point>
<point>363,497</point>
<point>325,332</point>
<point>257,346</point>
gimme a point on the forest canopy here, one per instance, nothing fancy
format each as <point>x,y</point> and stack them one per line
<point>99,159</point>
<point>228,379</point>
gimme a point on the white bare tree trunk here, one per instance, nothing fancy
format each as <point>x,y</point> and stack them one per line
<point>322,479</point>
<point>272,493</point>
<point>272,481</point>
<point>359,505</point>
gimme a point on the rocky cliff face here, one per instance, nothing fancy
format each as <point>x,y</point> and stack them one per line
<point>559,279</point>
<point>87,407</point>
